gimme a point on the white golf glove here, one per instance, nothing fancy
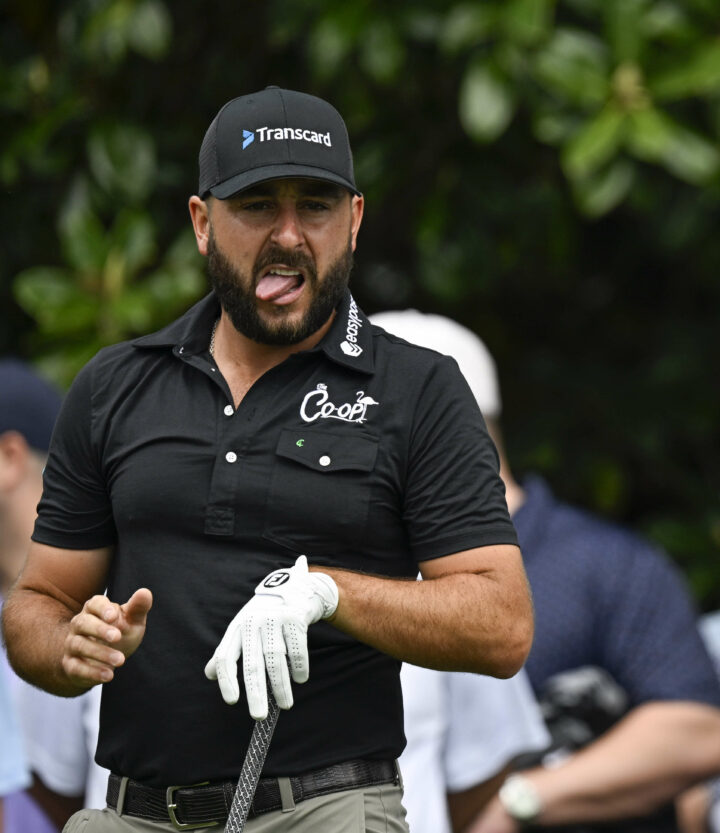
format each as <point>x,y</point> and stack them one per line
<point>270,631</point>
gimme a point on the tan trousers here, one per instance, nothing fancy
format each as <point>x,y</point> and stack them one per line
<point>364,810</point>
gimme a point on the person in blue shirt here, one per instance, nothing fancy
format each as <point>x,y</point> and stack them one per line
<point>617,662</point>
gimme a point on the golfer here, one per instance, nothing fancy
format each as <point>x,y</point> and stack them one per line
<point>256,487</point>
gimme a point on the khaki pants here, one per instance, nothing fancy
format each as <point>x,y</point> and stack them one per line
<point>364,810</point>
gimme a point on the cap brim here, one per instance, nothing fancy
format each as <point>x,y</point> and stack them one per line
<point>240,182</point>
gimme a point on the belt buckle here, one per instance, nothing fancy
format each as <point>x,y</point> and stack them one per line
<point>172,806</point>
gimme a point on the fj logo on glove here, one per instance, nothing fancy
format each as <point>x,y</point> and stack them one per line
<point>276,579</point>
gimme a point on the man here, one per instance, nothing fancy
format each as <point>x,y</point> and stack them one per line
<point>57,743</point>
<point>698,809</point>
<point>604,600</point>
<point>200,470</point>
<point>13,772</point>
<point>463,732</point>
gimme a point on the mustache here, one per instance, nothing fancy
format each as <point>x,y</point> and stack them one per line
<point>291,259</point>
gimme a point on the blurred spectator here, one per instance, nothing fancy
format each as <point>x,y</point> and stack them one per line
<point>699,807</point>
<point>57,733</point>
<point>13,773</point>
<point>643,701</point>
<point>463,731</point>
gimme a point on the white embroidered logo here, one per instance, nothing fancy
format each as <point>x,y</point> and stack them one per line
<point>350,346</point>
<point>316,405</point>
<point>350,349</point>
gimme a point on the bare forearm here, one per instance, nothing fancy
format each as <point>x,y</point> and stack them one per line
<point>644,762</point>
<point>463,621</point>
<point>35,627</point>
<point>658,750</point>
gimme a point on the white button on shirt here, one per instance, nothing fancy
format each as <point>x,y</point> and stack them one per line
<point>324,460</point>
<point>229,410</point>
<point>231,456</point>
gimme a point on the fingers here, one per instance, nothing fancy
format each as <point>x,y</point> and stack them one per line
<point>136,609</point>
<point>131,615</point>
<point>100,618</point>
<point>223,665</point>
<point>270,636</point>
<point>274,653</point>
<point>297,652</point>
<point>103,635</point>
<point>89,655</point>
<point>254,676</point>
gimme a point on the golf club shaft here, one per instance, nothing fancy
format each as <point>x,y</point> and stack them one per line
<point>252,767</point>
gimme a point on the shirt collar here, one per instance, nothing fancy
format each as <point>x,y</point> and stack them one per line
<point>347,342</point>
<point>349,339</point>
<point>188,334</point>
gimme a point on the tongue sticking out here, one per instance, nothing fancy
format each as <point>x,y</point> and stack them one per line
<point>273,286</point>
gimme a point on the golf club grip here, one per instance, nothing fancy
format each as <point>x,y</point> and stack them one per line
<point>252,767</point>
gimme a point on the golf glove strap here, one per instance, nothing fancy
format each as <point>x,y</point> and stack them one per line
<point>270,632</point>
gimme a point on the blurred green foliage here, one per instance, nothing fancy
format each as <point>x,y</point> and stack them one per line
<point>547,173</point>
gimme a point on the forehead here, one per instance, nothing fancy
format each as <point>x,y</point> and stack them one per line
<point>293,187</point>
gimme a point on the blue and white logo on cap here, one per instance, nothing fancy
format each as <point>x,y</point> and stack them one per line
<point>248,138</point>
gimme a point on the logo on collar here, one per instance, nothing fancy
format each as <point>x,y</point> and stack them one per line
<point>350,346</point>
<point>317,405</point>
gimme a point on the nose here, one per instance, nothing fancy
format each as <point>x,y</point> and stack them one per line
<point>287,231</point>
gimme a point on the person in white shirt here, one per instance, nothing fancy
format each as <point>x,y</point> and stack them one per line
<point>463,730</point>
<point>57,735</point>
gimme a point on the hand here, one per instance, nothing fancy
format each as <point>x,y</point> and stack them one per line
<point>271,632</point>
<point>103,635</point>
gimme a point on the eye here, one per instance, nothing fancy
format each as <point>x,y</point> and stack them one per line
<point>257,205</point>
<point>315,205</point>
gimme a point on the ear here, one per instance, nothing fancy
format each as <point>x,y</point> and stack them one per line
<point>200,216</point>
<point>15,458</point>
<point>357,207</point>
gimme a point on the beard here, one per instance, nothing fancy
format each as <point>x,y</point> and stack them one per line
<point>236,293</point>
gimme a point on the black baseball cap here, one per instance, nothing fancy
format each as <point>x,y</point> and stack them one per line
<point>273,134</point>
<point>28,404</point>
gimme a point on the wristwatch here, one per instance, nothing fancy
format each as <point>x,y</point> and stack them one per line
<point>520,799</point>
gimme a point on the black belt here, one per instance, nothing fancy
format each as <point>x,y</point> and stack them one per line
<point>202,805</point>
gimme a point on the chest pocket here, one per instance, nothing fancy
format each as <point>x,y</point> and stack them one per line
<point>319,493</point>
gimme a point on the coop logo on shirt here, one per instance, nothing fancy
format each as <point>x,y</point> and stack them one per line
<point>350,346</point>
<point>318,405</point>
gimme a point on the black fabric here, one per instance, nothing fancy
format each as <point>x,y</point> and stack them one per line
<point>365,453</point>
<point>274,134</point>
<point>212,802</point>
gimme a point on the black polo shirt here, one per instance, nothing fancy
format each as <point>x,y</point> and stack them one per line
<point>364,452</point>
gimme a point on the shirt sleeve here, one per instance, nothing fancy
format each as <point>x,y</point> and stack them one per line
<point>74,511</point>
<point>490,721</point>
<point>454,499</point>
<point>651,642</point>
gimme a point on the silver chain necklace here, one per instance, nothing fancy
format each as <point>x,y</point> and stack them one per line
<point>211,349</point>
